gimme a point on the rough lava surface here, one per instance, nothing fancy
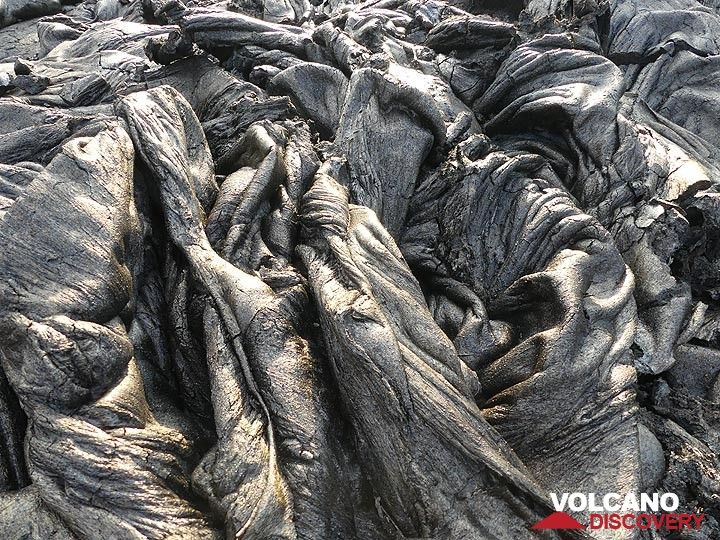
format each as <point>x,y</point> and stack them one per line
<point>324,270</point>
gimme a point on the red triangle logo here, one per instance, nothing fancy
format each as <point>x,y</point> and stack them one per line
<point>558,520</point>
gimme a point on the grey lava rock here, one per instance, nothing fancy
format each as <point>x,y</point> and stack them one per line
<point>325,270</point>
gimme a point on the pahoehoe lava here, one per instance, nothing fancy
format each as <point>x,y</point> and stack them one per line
<point>336,270</point>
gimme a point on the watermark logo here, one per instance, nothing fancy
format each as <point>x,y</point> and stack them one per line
<point>614,511</point>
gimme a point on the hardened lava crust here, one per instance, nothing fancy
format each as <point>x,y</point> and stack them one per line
<point>324,270</point>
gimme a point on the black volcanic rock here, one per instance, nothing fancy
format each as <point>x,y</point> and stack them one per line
<point>321,270</point>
